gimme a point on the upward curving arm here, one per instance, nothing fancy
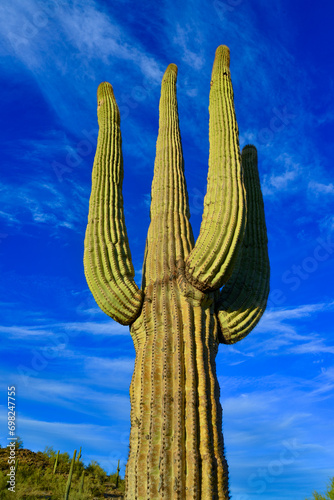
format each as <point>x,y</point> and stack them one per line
<point>244,297</point>
<point>107,259</point>
<point>211,261</point>
<point>170,236</point>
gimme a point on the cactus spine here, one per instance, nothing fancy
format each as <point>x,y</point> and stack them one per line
<point>180,315</point>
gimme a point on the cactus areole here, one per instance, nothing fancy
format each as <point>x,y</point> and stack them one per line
<point>193,297</point>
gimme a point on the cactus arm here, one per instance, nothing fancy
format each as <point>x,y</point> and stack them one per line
<point>243,299</point>
<point>170,237</point>
<point>107,259</point>
<point>211,261</point>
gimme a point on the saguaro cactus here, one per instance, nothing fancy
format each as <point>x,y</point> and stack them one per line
<point>193,296</point>
<point>69,479</point>
<point>56,462</point>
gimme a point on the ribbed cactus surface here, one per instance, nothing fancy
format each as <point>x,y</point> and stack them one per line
<point>181,313</point>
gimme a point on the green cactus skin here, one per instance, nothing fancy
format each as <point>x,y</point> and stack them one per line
<point>244,298</point>
<point>79,455</point>
<point>56,463</point>
<point>179,316</point>
<point>108,266</point>
<point>210,264</point>
<point>82,480</point>
<point>69,480</point>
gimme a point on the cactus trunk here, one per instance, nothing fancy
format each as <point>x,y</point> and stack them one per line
<point>180,315</point>
<point>176,441</point>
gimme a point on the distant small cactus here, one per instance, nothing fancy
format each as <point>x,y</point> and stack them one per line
<point>117,477</point>
<point>81,486</point>
<point>56,463</point>
<point>69,480</point>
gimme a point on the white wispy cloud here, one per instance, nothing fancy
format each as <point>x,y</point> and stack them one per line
<point>75,396</point>
<point>114,373</point>
<point>95,34</point>
<point>42,203</point>
<point>9,217</point>
<point>283,331</point>
<point>298,312</point>
<point>326,224</point>
<point>74,45</point>
<point>108,328</point>
<point>314,346</point>
<point>19,332</point>
<point>284,409</point>
<point>183,38</point>
<point>319,188</point>
<point>285,180</point>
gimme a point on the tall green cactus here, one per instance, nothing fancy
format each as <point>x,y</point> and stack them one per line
<point>82,480</point>
<point>181,313</point>
<point>56,462</point>
<point>117,476</point>
<point>69,479</point>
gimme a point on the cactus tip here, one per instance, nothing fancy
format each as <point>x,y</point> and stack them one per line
<point>249,150</point>
<point>223,53</point>
<point>172,67</point>
<point>221,62</point>
<point>103,89</point>
<point>171,70</point>
<point>249,146</point>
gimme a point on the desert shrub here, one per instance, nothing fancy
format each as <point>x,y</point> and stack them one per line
<point>3,481</point>
<point>121,482</point>
<point>96,471</point>
<point>35,478</point>
<point>49,452</point>
<point>18,443</point>
<point>329,493</point>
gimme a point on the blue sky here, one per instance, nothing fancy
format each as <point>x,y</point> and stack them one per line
<point>72,364</point>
